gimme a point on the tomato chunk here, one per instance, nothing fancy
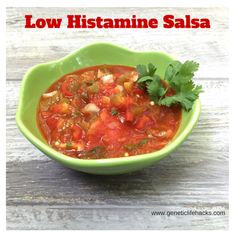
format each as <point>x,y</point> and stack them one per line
<point>45,114</point>
<point>66,86</point>
<point>129,116</point>
<point>61,108</point>
<point>102,112</point>
<point>137,90</point>
<point>77,132</point>
<point>52,122</point>
<point>143,122</point>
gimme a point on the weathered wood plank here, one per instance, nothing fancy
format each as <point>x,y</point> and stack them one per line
<point>170,182</point>
<point>73,218</point>
<point>209,48</point>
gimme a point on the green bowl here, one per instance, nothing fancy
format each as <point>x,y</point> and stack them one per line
<point>41,76</point>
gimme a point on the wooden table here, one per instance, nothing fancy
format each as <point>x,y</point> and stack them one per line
<point>41,194</point>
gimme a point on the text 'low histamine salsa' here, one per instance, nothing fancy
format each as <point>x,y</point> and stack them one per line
<point>101,112</point>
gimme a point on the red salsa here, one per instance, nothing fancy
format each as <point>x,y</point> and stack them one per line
<point>101,112</point>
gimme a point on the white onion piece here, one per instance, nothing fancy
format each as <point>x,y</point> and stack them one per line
<point>107,79</point>
<point>119,88</point>
<point>91,107</point>
<point>121,119</point>
<point>49,95</point>
<point>134,76</point>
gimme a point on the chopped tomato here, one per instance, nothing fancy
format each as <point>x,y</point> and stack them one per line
<point>129,101</point>
<point>52,122</point>
<point>137,90</point>
<point>55,135</point>
<point>45,114</point>
<point>129,116</point>
<point>61,108</point>
<point>104,115</point>
<point>128,86</point>
<point>101,112</point>
<point>65,88</point>
<point>143,122</point>
<point>76,132</point>
<point>66,136</point>
<point>118,100</point>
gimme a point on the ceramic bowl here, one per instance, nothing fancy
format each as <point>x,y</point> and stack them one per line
<point>41,76</point>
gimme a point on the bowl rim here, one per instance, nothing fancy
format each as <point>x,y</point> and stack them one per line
<point>56,155</point>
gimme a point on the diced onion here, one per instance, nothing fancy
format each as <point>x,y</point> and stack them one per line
<point>91,107</point>
<point>107,79</point>
<point>119,88</point>
<point>121,119</point>
<point>134,76</point>
<point>49,95</point>
<point>161,134</point>
<point>60,145</point>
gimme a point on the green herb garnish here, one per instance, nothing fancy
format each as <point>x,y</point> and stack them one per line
<point>75,114</point>
<point>69,144</point>
<point>96,150</point>
<point>114,112</point>
<point>143,142</point>
<point>130,147</point>
<point>178,77</point>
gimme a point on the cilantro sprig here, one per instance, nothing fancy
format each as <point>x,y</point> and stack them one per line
<point>178,77</point>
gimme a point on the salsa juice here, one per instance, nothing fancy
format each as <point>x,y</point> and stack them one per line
<point>101,112</point>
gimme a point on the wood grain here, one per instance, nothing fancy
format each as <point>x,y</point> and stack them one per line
<point>73,218</point>
<point>41,194</point>
<point>171,182</point>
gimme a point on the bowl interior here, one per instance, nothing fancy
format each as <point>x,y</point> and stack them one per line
<point>40,77</point>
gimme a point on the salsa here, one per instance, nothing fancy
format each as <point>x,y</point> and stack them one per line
<point>102,112</point>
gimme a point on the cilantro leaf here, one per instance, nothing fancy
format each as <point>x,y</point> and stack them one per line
<point>155,89</point>
<point>144,71</point>
<point>178,77</point>
<point>130,147</point>
<point>172,71</point>
<point>178,74</point>
<point>150,81</point>
<point>114,112</point>
<point>151,69</point>
<point>186,98</point>
<point>69,144</point>
<point>144,78</point>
